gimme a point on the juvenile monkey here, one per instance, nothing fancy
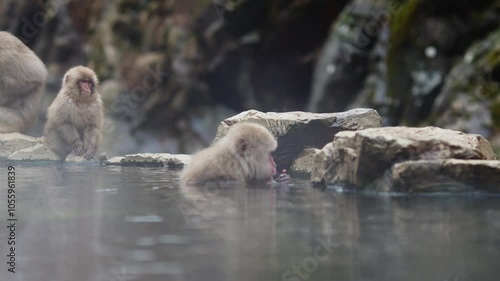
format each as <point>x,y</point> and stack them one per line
<point>243,155</point>
<point>22,83</point>
<point>75,117</point>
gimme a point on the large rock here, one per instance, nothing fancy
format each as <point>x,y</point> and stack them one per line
<point>174,161</point>
<point>298,130</point>
<point>363,158</point>
<point>38,152</point>
<point>345,58</point>
<point>10,143</point>
<point>19,147</point>
<point>469,99</point>
<point>303,163</point>
<point>446,175</point>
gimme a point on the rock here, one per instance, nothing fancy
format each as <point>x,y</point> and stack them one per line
<point>174,161</point>
<point>10,143</point>
<point>298,130</point>
<point>344,60</point>
<point>446,175</point>
<point>115,161</point>
<point>327,165</point>
<point>303,163</point>
<point>38,152</point>
<point>363,158</point>
<point>421,176</point>
<point>102,158</point>
<point>73,159</point>
<point>469,99</point>
<point>481,174</point>
<point>19,147</point>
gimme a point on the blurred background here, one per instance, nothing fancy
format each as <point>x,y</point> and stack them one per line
<point>171,70</point>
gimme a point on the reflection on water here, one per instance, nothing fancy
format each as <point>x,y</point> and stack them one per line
<point>85,223</point>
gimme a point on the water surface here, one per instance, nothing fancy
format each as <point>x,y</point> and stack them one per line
<point>85,223</point>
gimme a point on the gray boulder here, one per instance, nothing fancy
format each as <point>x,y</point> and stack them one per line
<point>10,143</point>
<point>174,161</point>
<point>364,158</point>
<point>298,130</point>
<point>446,175</point>
<point>38,152</point>
<point>19,147</point>
<point>303,163</point>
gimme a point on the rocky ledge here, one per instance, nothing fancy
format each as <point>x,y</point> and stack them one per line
<point>19,147</point>
<point>298,131</point>
<point>361,156</point>
<point>173,161</point>
<point>408,159</point>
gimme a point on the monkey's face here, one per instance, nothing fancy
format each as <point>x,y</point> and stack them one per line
<point>80,83</point>
<point>253,144</point>
<point>259,160</point>
<point>86,87</point>
<point>264,164</point>
<point>272,164</point>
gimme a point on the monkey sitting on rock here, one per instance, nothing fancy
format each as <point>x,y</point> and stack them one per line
<point>243,155</point>
<point>75,117</point>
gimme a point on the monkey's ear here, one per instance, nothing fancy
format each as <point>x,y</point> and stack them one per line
<point>66,78</point>
<point>241,146</point>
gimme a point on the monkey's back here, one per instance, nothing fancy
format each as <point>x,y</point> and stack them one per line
<point>213,164</point>
<point>20,67</point>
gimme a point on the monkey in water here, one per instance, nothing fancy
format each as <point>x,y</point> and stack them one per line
<point>75,117</point>
<point>243,155</point>
<point>22,84</point>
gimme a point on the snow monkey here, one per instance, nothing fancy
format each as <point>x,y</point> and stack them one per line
<point>243,155</point>
<point>22,84</point>
<point>75,117</point>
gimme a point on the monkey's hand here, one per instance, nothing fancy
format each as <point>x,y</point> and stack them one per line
<point>78,149</point>
<point>89,154</point>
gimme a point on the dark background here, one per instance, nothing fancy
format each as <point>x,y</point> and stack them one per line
<point>170,71</point>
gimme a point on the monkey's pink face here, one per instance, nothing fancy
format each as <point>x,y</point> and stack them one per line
<point>86,86</point>
<point>272,164</point>
<point>262,164</point>
<point>267,167</point>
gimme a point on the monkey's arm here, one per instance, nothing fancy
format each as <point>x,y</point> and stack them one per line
<point>70,134</point>
<point>92,138</point>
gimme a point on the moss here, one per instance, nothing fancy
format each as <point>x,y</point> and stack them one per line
<point>128,30</point>
<point>401,22</point>
<point>99,62</point>
<point>234,3</point>
<point>201,7</point>
<point>129,5</point>
<point>494,57</point>
<point>399,27</point>
<point>490,90</point>
<point>495,113</point>
<point>497,151</point>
